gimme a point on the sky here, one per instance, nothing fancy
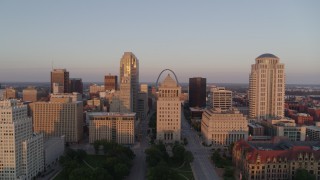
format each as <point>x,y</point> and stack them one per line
<point>218,40</point>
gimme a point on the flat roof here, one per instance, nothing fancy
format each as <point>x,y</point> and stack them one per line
<point>117,114</point>
<point>315,128</point>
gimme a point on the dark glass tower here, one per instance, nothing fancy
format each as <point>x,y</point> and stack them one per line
<point>197,92</point>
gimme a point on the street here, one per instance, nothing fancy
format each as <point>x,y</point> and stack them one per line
<point>201,166</point>
<point>139,167</point>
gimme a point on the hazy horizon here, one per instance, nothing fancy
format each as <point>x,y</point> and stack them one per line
<point>212,39</point>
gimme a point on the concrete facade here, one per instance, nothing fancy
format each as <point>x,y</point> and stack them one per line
<point>117,127</point>
<point>169,111</point>
<point>223,127</point>
<point>266,87</point>
<point>21,152</point>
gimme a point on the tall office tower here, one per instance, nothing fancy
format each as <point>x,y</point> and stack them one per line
<point>63,115</point>
<point>220,98</point>
<point>129,82</point>
<point>266,87</point>
<point>21,150</point>
<point>30,94</point>
<point>110,82</point>
<point>144,88</point>
<point>10,93</point>
<point>60,76</point>
<point>142,109</point>
<point>76,85</point>
<point>197,92</point>
<point>169,111</point>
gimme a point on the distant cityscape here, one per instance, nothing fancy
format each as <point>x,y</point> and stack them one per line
<point>67,129</point>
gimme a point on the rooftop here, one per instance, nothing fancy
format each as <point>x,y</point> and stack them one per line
<point>114,114</point>
<point>267,55</point>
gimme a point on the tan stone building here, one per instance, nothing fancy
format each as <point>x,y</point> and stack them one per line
<point>21,150</point>
<point>30,94</point>
<point>223,127</point>
<point>220,98</point>
<point>267,87</point>
<point>277,159</point>
<point>117,127</point>
<point>62,115</point>
<point>61,77</point>
<point>169,111</point>
<point>111,82</point>
<point>10,93</point>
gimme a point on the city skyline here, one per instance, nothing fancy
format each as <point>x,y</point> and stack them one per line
<point>215,40</point>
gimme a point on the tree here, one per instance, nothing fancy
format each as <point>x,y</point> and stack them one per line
<point>188,157</point>
<point>96,145</point>
<point>121,170</point>
<point>81,174</point>
<point>228,172</point>
<point>161,172</point>
<point>154,156</point>
<point>101,174</point>
<point>178,152</point>
<point>304,174</point>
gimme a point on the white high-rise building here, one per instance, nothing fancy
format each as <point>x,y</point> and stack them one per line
<point>169,111</point>
<point>21,150</point>
<point>129,82</point>
<point>267,87</point>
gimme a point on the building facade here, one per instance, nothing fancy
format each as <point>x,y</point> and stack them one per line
<point>117,127</point>
<point>169,111</point>
<point>142,108</point>
<point>223,127</point>
<point>313,132</point>
<point>277,159</point>
<point>62,115</point>
<point>61,77</point>
<point>111,82</point>
<point>129,82</point>
<point>221,98</point>
<point>30,94</point>
<point>21,150</point>
<point>10,93</point>
<point>197,92</point>
<point>267,87</point>
<point>283,127</point>
<point>76,85</point>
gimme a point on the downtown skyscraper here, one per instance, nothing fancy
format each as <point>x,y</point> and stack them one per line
<point>61,77</point>
<point>21,150</point>
<point>129,82</point>
<point>266,87</point>
<point>197,92</point>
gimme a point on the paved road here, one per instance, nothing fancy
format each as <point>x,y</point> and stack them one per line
<point>201,166</point>
<point>139,168</point>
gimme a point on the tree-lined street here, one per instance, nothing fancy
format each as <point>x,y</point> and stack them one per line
<point>202,167</point>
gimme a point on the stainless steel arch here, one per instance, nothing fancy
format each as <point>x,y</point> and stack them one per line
<point>172,73</point>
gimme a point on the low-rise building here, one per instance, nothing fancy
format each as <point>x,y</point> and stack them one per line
<point>223,127</point>
<point>302,119</point>
<point>255,129</point>
<point>277,159</point>
<point>313,132</point>
<point>117,127</point>
<point>53,150</point>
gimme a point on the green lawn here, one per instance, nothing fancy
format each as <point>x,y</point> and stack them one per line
<point>93,160</point>
<point>184,170</point>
